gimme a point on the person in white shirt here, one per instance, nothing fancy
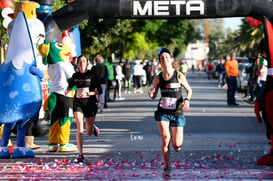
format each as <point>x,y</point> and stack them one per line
<point>119,77</point>
<point>137,74</point>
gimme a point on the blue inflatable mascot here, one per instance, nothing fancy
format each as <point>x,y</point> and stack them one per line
<point>20,87</point>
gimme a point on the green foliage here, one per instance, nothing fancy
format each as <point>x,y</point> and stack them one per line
<point>135,39</point>
<point>216,36</point>
<point>59,4</point>
<point>104,36</point>
<point>244,42</point>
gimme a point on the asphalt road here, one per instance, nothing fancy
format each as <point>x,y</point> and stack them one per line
<point>220,142</point>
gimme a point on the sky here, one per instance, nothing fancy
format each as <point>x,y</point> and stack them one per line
<point>233,23</point>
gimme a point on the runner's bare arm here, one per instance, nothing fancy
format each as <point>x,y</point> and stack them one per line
<point>183,81</point>
<point>154,90</point>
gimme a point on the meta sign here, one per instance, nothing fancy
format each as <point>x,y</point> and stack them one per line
<point>168,8</point>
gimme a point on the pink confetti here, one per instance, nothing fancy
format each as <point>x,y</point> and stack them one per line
<point>99,163</point>
<point>65,161</point>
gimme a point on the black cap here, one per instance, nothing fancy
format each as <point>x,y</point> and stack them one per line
<point>162,50</point>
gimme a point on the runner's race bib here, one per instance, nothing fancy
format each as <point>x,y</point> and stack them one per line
<point>82,92</point>
<point>168,103</point>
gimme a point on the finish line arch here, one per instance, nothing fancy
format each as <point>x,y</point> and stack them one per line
<point>77,11</point>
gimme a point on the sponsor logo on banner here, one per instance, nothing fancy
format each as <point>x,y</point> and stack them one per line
<point>170,8</point>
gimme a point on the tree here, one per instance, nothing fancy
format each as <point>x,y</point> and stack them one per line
<point>135,39</point>
<point>244,41</point>
<point>105,36</point>
<point>216,36</point>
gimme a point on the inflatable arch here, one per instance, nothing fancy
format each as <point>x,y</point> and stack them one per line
<point>79,10</point>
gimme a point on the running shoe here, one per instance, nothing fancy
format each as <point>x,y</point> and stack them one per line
<point>178,149</point>
<point>68,148</point>
<point>80,159</point>
<point>167,171</point>
<point>52,147</point>
<point>96,130</point>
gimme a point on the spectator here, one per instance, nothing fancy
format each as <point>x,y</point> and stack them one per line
<point>232,73</point>
<point>74,64</point>
<point>148,69</point>
<point>176,65</point>
<point>119,78</point>
<point>184,68</point>
<point>155,67</point>
<point>251,71</point>
<point>128,73</point>
<point>137,74</point>
<point>220,69</point>
<point>101,73</point>
<point>110,81</point>
<point>199,68</point>
<point>210,70</point>
<point>262,74</point>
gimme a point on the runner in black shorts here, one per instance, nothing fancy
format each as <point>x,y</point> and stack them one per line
<point>169,113</point>
<point>85,102</point>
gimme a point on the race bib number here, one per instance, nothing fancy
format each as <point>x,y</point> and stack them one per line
<point>82,92</point>
<point>168,103</point>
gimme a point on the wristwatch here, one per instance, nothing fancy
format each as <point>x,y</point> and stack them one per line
<point>186,99</point>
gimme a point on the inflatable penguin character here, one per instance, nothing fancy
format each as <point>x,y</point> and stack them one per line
<point>20,87</point>
<point>60,70</point>
<point>37,32</point>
